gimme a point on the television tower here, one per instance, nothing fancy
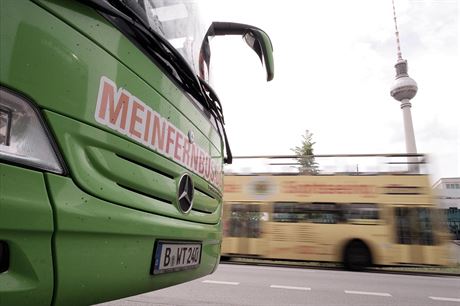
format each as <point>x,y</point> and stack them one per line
<point>404,89</point>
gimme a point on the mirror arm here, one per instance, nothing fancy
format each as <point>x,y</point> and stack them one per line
<point>262,39</point>
<point>230,28</point>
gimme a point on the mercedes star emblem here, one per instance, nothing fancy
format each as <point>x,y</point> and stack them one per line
<point>185,192</point>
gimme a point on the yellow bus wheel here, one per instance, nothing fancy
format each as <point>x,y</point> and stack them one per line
<point>357,256</point>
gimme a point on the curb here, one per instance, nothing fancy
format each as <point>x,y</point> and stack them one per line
<point>312,267</point>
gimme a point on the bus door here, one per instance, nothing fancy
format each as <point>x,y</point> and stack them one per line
<point>414,235</point>
<point>244,228</point>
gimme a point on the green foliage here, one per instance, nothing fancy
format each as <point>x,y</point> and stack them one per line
<point>305,156</point>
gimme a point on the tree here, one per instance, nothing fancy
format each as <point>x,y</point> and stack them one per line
<point>305,156</point>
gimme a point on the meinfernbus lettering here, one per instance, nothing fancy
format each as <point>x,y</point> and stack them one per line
<point>123,112</point>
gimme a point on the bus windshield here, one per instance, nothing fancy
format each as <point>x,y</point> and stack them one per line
<point>182,25</point>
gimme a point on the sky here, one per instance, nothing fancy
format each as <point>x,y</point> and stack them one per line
<point>334,66</point>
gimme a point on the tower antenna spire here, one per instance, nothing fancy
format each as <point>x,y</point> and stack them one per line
<point>403,90</point>
<point>398,44</point>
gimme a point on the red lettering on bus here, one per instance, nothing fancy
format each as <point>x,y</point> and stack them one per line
<point>147,125</point>
<point>158,133</point>
<point>170,138</point>
<point>194,159</point>
<point>305,189</point>
<point>123,112</point>
<point>232,188</point>
<point>186,152</point>
<point>106,99</point>
<point>178,145</point>
<point>201,163</point>
<point>135,118</point>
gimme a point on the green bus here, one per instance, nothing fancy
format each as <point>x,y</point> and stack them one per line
<point>112,145</point>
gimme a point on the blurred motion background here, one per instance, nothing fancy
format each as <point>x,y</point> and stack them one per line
<point>334,71</point>
<point>355,209</point>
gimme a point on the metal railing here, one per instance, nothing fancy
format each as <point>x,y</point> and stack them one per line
<point>330,164</point>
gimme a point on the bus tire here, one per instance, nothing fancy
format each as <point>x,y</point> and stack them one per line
<point>357,256</point>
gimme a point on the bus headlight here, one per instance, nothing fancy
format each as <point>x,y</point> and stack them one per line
<point>23,135</point>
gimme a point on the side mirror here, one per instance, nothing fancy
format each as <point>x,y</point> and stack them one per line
<point>257,39</point>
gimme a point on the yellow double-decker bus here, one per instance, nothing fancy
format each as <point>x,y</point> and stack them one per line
<point>383,216</point>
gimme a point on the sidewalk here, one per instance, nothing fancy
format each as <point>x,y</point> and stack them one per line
<point>455,251</point>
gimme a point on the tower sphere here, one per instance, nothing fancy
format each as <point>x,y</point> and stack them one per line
<point>404,88</point>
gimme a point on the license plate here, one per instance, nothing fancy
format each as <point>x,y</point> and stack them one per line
<point>176,256</point>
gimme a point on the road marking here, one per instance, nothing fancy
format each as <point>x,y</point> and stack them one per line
<point>220,282</point>
<point>289,287</point>
<point>232,266</point>
<point>436,298</point>
<point>368,293</point>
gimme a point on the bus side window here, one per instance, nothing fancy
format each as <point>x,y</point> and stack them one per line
<point>425,226</point>
<point>414,226</point>
<point>326,213</point>
<point>245,221</point>
<point>363,211</point>
<point>254,216</point>
<point>285,212</point>
<point>237,224</point>
<point>403,226</point>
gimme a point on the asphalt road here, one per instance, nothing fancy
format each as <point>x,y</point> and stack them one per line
<point>255,285</point>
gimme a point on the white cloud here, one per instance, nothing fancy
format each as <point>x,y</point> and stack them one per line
<point>333,71</point>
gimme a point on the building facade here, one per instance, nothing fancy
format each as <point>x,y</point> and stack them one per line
<point>447,191</point>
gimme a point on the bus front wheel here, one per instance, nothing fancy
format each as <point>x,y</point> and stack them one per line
<point>357,256</point>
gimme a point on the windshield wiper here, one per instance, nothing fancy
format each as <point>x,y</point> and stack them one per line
<point>217,112</point>
<point>168,57</point>
<point>158,47</point>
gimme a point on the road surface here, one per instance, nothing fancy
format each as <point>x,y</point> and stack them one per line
<point>255,285</point>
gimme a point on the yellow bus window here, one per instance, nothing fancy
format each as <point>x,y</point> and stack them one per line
<point>414,226</point>
<point>245,221</point>
<point>367,211</point>
<point>327,213</point>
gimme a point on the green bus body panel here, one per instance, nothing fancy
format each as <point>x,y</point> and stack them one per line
<point>90,237</point>
<point>60,68</point>
<point>121,172</point>
<point>93,26</point>
<point>26,224</point>
<point>105,251</point>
